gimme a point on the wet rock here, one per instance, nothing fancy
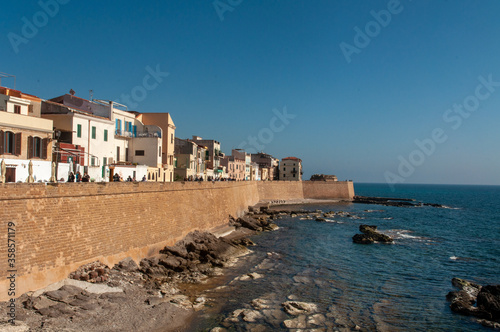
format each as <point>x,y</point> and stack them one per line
<point>296,308</point>
<point>486,298</point>
<point>296,323</point>
<point>260,304</point>
<point>370,235</point>
<point>251,316</point>
<point>218,329</point>
<point>316,320</point>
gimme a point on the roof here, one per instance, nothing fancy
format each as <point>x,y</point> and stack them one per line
<point>292,158</point>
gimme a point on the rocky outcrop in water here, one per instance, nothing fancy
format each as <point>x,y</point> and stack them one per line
<point>474,300</point>
<point>370,235</point>
<point>390,201</point>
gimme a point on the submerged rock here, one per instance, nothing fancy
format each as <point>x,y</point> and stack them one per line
<point>296,308</point>
<point>370,235</point>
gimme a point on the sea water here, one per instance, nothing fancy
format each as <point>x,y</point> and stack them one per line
<point>377,287</point>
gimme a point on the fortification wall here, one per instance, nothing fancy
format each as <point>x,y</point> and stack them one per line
<point>60,227</point>
<point>327,189</point>
<point>63,226</point>
<point>282,190</point>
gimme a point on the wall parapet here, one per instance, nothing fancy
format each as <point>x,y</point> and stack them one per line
<point>60,227</point>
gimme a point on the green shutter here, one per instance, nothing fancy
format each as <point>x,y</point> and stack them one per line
<point>79,130</point>
<point>93,132</point>
<point>105,135</point>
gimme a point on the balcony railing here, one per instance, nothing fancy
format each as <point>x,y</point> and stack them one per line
<point>130,134</point>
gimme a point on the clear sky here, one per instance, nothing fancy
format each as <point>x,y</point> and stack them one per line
<point>372,91</point>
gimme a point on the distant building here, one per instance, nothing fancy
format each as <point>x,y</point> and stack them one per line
<point>242,155</point>
<point>24,136</point>
<point>190,163</point>
<point>213,155</point>
<point>235,168</point>
<point>291,169</point>
<point>323,177</point>
<point>268,166</point>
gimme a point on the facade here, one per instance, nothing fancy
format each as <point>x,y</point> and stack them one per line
<point>241,154</point>
<point>98,138</point>
<point>84,140</point>
<point>24,137</point>
<point>166,124</point>
<point>213,155</point>
<point>268,166</point>
<point>291,169</point>
<point>190,163</point>
<point>235,168</point>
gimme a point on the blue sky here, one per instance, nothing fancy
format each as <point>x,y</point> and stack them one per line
<point>230,63</point>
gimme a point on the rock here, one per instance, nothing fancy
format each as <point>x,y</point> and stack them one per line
<point>251,316</point>
<point>56,310</point>
<point>128,265</point>
<point>296,323</point>
<point>18,326</point>
<point>296,308</point>
<point>320,219</point>
<point>260,304</point>
<point>488,299</point>
<point>370,235</point>
<point>218,329</point>
<point>64,294</point>
<point>316,320</point>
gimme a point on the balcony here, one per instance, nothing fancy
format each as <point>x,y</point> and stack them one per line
<point>130,134</point>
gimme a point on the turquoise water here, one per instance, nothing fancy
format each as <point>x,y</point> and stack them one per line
<point>379,287</point>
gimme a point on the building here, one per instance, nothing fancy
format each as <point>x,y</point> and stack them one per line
<point>241,154</point>
<point>190,160</point>
<point>268,166</point>
<point>101,138</point>
<point>84,134</point>
<point>291,169</point>
<point>165,122</point>
<point>24,137</point>
<point>235,168</point>
<point>213,155</point>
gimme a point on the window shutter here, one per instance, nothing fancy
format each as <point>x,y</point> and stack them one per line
<point>30,146</point>
<point>2,140</point>
<point>17,149</point>
<point>45,143</point>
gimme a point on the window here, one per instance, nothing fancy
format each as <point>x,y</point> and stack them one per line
<point>159,151</point>
<point>92,161</point>
<point>293,175</point>
<point>93,132</point>
<point>10,143</point>
<point>104,161</point>
<point>17,109</point>
<point>172,138</point>
<point>37,147</point>
<point>118,126</point>
<point>105,136</point>
<point>139,152</point>
<point>117,153</point>
<point>30,108</point>
<point>79,130</point>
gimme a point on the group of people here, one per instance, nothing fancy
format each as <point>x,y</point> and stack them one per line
<point>78,177</point>
<point>118,178</point>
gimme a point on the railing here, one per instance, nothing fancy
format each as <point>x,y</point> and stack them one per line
<point>126,133</point>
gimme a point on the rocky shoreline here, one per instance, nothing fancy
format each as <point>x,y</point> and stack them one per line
<point>131,297</point>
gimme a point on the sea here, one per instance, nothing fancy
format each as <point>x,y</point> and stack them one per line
<point>377,287</point>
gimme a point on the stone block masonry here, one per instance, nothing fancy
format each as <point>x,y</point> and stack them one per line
<point>60,227</point>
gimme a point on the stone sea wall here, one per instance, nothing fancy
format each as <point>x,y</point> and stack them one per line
<point>58,228</point>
